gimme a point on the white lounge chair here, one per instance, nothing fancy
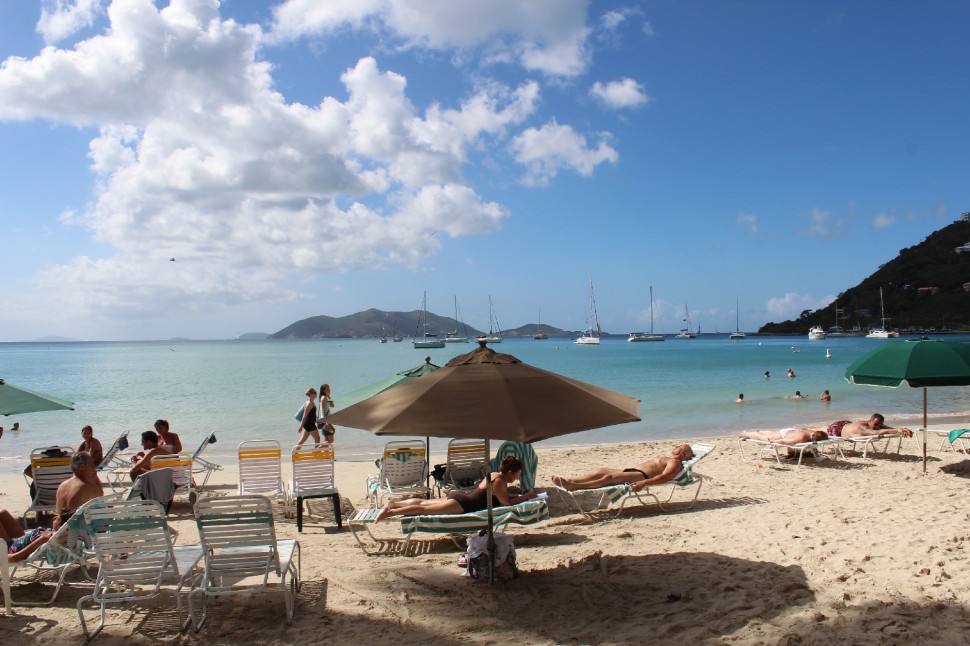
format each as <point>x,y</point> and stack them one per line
<point>202,466</point>
<point>528,512</point>
<point>609,495</point>
<point>181,466</point>
<point>242,552</point>
<point>313,477</point>
<point>112,466</point>
<point>781,451</point>
<point>876,443</point>
<point>70,547</point>
<point>136,556</point>
<point>5,578</point>
<point>260,468</point>
<point>464,466</point>
<point>404,472</point>
<point>50,466</point>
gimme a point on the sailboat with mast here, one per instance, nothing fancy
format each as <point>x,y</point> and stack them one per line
<point>396,335</point>
<point>540,335</point>
<point>494,329</point>
<point>881,332</point>
<point>454,337</point>
<point>591,335</point>
<point>426,340</point>
<point>687,333</point>
<point>636,337</point>
<point>737,334</point>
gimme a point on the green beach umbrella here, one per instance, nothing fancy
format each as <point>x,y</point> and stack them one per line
<point>366,392</point>
<point>919,363</point>
<point>15,401</point>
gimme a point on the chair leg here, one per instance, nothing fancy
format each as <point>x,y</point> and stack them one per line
<point>336,510</point>
<point>299,514</point>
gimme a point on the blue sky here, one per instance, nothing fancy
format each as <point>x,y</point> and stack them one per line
<point>302,158</point>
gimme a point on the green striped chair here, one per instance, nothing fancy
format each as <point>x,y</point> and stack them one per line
<point>526,455</point>
<point>623,493</point>
<point>528,512</point>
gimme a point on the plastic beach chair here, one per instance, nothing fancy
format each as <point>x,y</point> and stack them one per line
<point>313,477</point>
<point>527,512</point>
<point>776,449</point>
<point>202,466</point>
<point>50,466</point>
<point>526,455</point>
<point>69,548</point>
<point>136,556</point>
<point>260,468</point>
<point>404,472</point>
<point>464,467</point>
<point>242,553</point>
<point>609,495</point>
<point>181,466</point>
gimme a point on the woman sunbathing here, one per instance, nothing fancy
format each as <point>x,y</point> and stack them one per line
<point>464,502</point>
<point>789,436</point>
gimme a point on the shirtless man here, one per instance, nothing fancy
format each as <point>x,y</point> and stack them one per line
<point>652,472</point>
<point>143,459</point>
<point>167,437</point>
<point>83,486</point>
<point>91,444</point>
<point>875,425</point>
<point>789,436</point>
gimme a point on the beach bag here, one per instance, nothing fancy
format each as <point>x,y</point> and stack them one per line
<point>299,412</point>
<point>477,557</point>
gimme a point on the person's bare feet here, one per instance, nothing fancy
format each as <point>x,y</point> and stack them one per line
<point>384,513</point>
<point>566,484</point>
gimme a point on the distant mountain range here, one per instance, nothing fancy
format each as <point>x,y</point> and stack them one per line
<point>371,323</point>
<point>925,287</point>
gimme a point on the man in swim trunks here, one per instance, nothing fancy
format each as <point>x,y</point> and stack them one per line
<point>652,472</point>
<point>875,425</point>
<point>83,486</point>
<point>789,436</point>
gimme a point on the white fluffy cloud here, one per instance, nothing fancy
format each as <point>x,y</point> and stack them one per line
<point>883,220</point>
<point>791,305</point>
<point>625,93</point>
<point>549,37</point>
<point>749,222</point>
<point>819,224</point>
<point>60,19</point>
<point>553,147</point>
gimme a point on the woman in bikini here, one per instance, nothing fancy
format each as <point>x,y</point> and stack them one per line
<point>786,436</point>
<point>652,472</point>
<point>465,502</point>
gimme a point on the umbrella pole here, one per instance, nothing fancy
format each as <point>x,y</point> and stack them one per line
<point>488,497</point>
<point>924,429</point>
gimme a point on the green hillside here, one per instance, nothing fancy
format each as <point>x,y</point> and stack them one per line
<point>368,324</point>
<point>923,288</point>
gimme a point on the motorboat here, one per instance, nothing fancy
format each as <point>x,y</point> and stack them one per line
<point>816,333</point>
<point>591,335</point>
<point>639,337</point>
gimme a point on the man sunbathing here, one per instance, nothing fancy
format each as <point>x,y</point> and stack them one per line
<point>875,425</point>
<point>788,436</point>
<point>652,472</point>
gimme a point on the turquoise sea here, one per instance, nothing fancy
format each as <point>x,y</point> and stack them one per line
<point>250,389</point>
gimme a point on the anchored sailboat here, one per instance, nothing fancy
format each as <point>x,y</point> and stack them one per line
<point>494,329</point>
<point>687,333</point>
<point>426,340</point>
<point>636,337</point>
<point>881,332</point>
<point>540,335</point>
<point>591,335</point>
<point>737,334</point>
<point>454,337</point>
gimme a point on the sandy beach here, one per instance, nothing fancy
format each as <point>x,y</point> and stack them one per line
<point>856,551</point>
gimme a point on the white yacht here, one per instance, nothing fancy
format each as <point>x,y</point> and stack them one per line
<point>494,329</point>
<point>737,334</point>
<point>687,333</point>
<point>816,333</point>
<point>638,337</point>
<point>455,337</point>
<point>881,332</point>
<point>426,340</point>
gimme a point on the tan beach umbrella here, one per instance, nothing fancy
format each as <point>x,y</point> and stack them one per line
<point>485,394</point>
